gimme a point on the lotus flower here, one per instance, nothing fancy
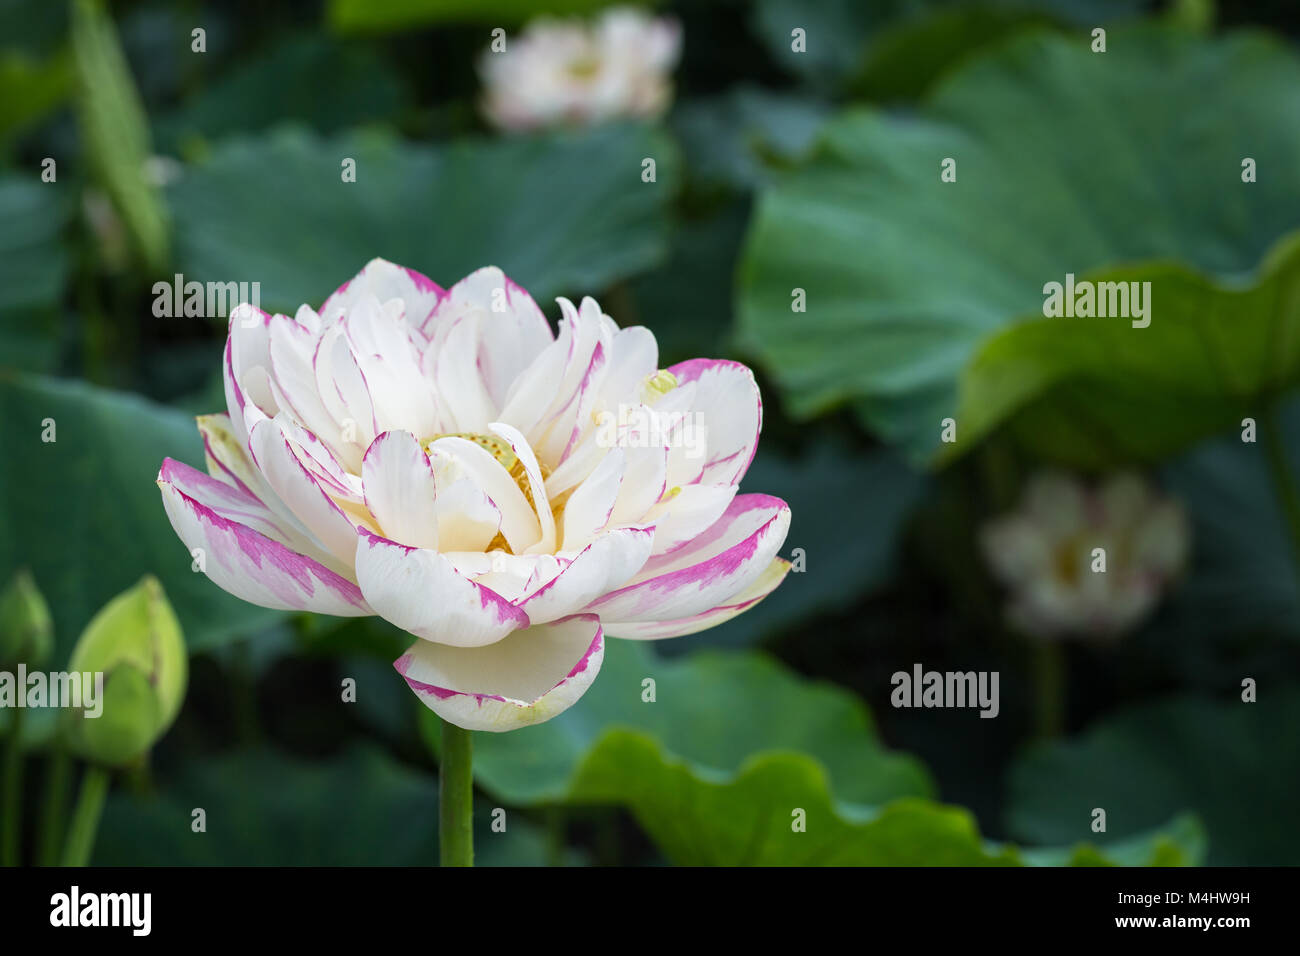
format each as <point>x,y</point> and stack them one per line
<point>1045,552</point>
<point>506,495</point>
<point>566,72</point>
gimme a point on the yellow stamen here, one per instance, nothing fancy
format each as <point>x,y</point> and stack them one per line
<point>500,449</point>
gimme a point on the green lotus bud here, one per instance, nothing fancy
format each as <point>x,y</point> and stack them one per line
<point>135,642</point>
<point>26,632</point>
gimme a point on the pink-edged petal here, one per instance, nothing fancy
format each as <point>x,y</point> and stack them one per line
<point>386,281</point>
<point>527,678</point>
<point>656,630</point>
<point>400,489</point>
<point>462,393</point>
<point>293,354</point>
<point>587,510</point>
<point>568,423</point>
<point>687,512</point>
<point>422,593</point>
<point>513,331</point>
<point>346,396</point>
<point>608,562</point>
<point>324,466</point>
<point>300,490</point>
<point>530,395</point>
<point>402,396</point>
<point>253,566</point>
<point>231,502</point>
<point>228,459</point>
<point>586,337</point>
<point>707,571</point>
<point>644,484</point>
<point>730,408</point>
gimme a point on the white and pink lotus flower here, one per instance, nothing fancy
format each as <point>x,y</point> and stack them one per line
<point>508,496</point>
<point>571,73</point>
<point>1046,553</point>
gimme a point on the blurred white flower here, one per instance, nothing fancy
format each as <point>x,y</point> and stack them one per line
<point>1044,552</point>
<point>575,73</point>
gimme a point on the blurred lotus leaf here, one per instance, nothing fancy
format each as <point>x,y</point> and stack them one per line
<point>1059,170</point>
<point>90,524</point>
<point>556,213</point>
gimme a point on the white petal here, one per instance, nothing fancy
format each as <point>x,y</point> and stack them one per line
<point>605,564</point>
<point>400,489</point>
<point>422,593</point>
<point>300,491</point>
<point>728,405</point>
<point>252,565</point>
<point>709,570</point>
<point>589,507</point>
<point>764,585</point>
<point>527,678</point>
<point>688,513</point>
<point>541,505</point>
<point>519,524</point>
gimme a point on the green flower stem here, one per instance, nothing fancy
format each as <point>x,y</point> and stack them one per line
<point>1283,480</point>
<point>13,790</point>
<point>85,819</point>
<point>456,797</point>
<point>55,806</point>
<point>1049,688</point>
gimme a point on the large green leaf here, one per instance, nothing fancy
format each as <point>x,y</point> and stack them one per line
<point>732,745</point>
<point>835,34</point>
<point>1234,763</point>
<point>561,213</point>
<point>897,47</point>
<point>1097,391</point>
<point>83,511</point>
<point>1243,577</point>
<point>713,710</point>
<point>262,808</point>
<point>310,79</point>
<point>1066,161</point>
<point>384,16</point>
<point>738,137</point>
<point>778,810</point>
<point>33,270</point>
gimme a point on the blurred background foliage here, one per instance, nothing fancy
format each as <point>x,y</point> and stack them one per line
<point>775,170</point>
